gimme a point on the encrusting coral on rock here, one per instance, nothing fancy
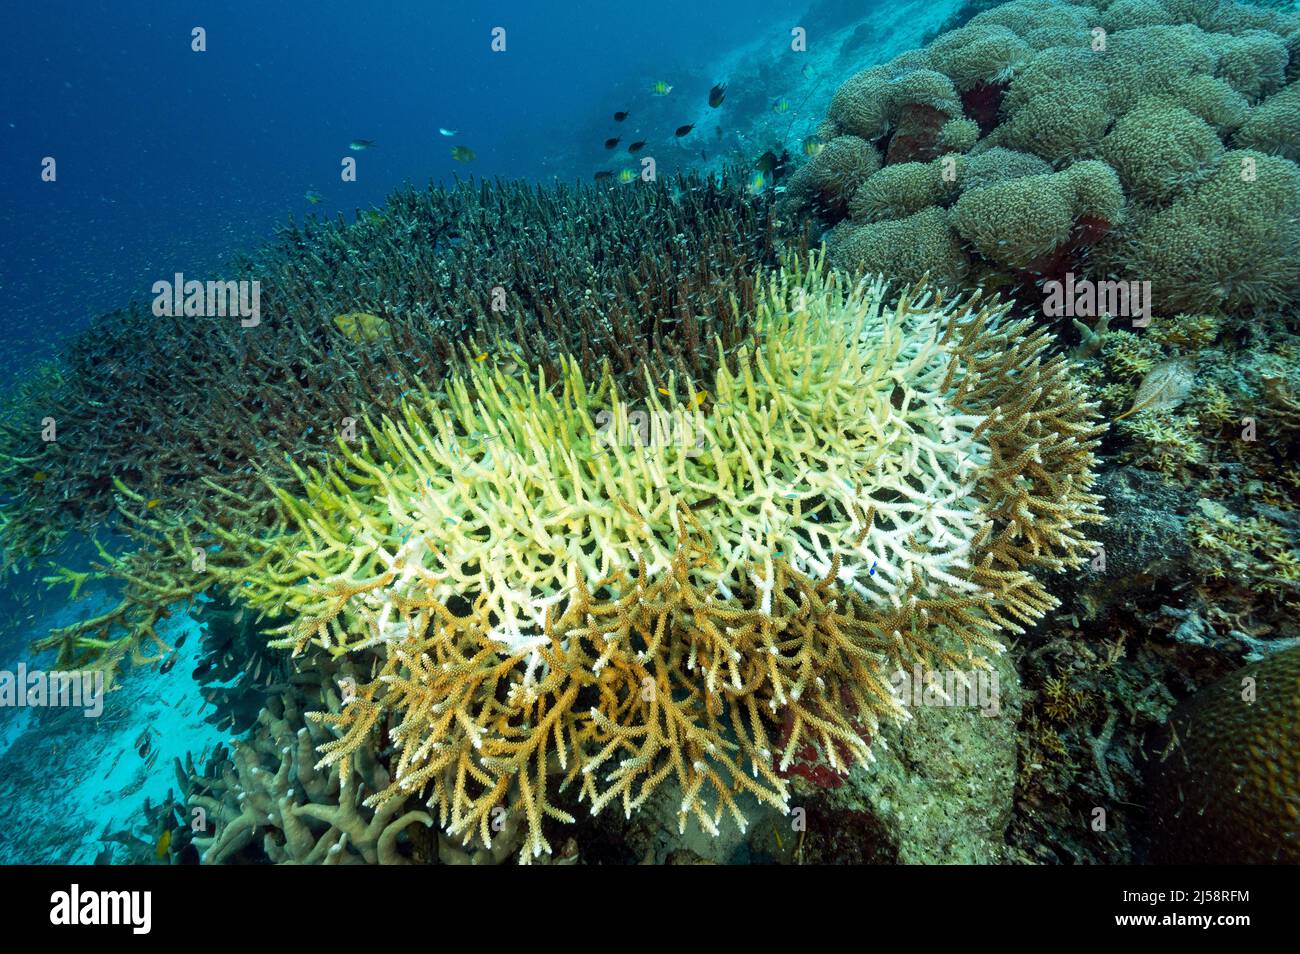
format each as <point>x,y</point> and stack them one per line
<point>546,595</point>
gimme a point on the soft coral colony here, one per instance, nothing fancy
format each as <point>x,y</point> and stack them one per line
<point>544,609</point>
<point>1135,138</point>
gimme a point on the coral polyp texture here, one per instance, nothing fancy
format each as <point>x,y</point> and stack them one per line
<point>556,600</point>
<point>1144,141</point>
<point>1227,783</point>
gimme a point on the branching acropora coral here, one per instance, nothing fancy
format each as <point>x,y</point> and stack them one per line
<point>352,316</point>
<point>549,597</point>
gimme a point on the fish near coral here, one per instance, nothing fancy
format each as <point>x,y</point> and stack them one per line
<point>361,326</point>
<point>164,843</point>
<point>463,154</point>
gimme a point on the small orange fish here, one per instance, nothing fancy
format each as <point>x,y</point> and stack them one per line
<point>664,392</point>
<point>700,398</point>
<point>39,476</point>
<point>153,503</point>
<point>481,358</point>
<point>163,844</point>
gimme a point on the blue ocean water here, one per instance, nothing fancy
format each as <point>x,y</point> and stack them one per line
<point>169,159</point>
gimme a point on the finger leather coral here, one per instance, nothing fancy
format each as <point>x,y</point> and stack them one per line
<point>554,605</point>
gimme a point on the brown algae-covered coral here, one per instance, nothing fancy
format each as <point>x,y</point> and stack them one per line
<point>553,603</point>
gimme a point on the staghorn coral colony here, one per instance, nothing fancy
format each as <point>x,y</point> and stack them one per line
<point>549,501</point>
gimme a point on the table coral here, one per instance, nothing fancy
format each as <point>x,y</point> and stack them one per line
<point>874,486</point>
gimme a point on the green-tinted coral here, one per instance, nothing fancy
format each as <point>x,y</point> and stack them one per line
<point>1160,150</point>
<point>995,164</point>
<point>830,178</point>
<point>873,101</point>
<point>902,189</point>
<point>1252,62</point>
<point>908,248</point>
<point>1185,333</point>
<point>1162,442</point>
<point>1055,107</point>
<point>958,135</point>
<point>1274,125</point>
<point>978,54</point>
<point>1211,100</point>
<point>1025,15</point>
<point>1017,222</point>
<point>1232,242</point>
<point>1155,90</point>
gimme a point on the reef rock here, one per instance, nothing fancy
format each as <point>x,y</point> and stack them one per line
<point>939,792</point>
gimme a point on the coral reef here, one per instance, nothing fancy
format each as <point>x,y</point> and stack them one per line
<point>546,605</point>
<point>522,504</point>
<point>171,406</point>
<point>1140,140</point>
<point>271,786</point>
